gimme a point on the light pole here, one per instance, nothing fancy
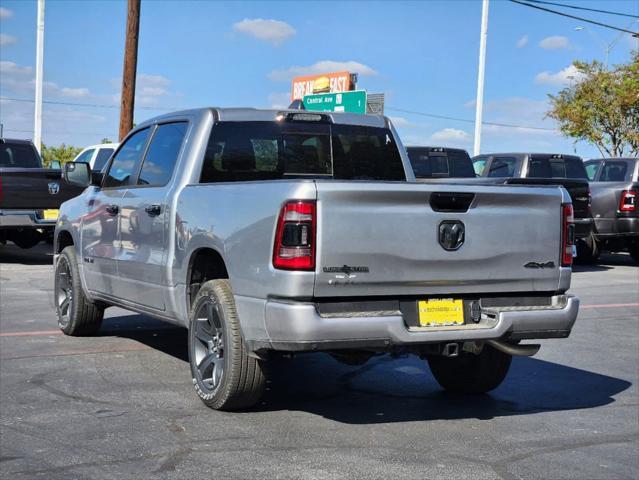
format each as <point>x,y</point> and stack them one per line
<point>607,47</point>
<point>480,77</point>
<point>37,113</point>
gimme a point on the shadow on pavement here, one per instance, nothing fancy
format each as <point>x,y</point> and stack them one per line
<point>389,389</point>
<point>41,254</point>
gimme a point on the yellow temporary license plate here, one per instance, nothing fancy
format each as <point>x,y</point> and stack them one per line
<point>50,214</point>
<point>440,312</point>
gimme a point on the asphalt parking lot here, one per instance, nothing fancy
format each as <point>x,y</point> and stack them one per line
<point>121,405</point>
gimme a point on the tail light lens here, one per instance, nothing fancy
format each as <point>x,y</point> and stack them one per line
<point>628,201</point>
<point>294,247</point>
<point>567,234</point>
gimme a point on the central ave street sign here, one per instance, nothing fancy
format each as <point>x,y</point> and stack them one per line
<point>351,102</point>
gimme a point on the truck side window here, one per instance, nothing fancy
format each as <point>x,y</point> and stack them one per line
<point>591,169</point>
<point>126,162</point>
<point>502,167</point>
<point>613,172</point>
<point>162,155</point>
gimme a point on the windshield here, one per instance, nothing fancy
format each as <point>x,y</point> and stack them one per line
<point>18,155</point>
<point>242,151</point>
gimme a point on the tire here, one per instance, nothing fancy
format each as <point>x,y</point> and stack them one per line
<point>225,377</point>
<point>77,315</point>
<point>469,373</point>
<point>587,250</point>
<point>26,239</point>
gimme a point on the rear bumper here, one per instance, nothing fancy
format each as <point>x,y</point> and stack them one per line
<point>299,327</point>
<point>607,228</point>
<point>13,219</point>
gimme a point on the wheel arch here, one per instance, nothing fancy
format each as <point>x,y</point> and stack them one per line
<point>63,239</point>
<point>205,263</point>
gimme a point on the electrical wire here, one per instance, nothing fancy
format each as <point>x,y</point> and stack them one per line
<point>605,25</point>
<point>467,120</point>
<point>583,8</point>
<point>91,105</point>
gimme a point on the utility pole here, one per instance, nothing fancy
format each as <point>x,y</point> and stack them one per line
<point>480,77</point>
<point>37,114</point>
<point>127,102</point>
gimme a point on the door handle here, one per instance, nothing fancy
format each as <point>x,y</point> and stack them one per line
<point>112,209</point>
<point>153,210</point>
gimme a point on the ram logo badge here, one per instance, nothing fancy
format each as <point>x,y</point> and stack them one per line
<point>54,188</point>
<point>451,234</point>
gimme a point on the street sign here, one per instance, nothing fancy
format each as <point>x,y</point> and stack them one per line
<point>351,102</point>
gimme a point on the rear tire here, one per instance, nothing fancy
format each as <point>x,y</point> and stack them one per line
<point>588,250</point>
<point>469,373</point>
<point>634,251</point>
<point>225,377</point>
<point>77,315</point>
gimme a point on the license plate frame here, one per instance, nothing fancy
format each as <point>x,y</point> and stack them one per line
<point>51,214</point>
<point>441,312</point>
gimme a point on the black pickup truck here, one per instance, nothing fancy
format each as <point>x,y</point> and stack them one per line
<point>615,187</point>
<point>440,162</point>
<point>30,195</point>
<point>549,169</point>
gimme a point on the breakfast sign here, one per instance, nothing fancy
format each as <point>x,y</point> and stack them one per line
<point>323,83</point>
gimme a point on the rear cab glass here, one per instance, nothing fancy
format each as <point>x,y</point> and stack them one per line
<point>556,166</point>
<point>439,162</point>
<point>245,151</point>
<point>18,155</point>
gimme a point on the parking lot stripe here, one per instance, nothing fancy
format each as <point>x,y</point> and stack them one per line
<point>611,305</point>
<point>35,333</point>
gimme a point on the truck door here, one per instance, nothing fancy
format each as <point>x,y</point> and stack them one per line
<point>144,220</point>
<point>101,225</point>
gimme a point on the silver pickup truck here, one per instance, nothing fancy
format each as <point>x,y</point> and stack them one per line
<point>287,231</point>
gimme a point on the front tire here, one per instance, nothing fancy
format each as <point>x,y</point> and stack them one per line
<point>225,377</point>
<point>633,250</point>
<point>588,250</point>
<point>77,315</point>
<point>469,373</point>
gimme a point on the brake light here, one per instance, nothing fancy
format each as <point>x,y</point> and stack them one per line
<point>628,201</point>
<point>567,234</point>
<point>294,247</point>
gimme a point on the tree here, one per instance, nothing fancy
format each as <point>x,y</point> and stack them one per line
<point>601,107</point>
<point>63,153</point>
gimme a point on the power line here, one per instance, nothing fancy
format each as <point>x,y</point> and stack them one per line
<point>584,8</point>
<point>605,25</point>
<point>61,133</point>
<point>92,105</point>
<point>467,120</point>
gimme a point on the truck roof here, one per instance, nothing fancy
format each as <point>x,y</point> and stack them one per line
<point>523,154</point>
<point>270,115</point>
<point>15,140</point>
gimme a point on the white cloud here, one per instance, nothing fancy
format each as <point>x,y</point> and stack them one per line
<point>279,100</point>
<point>12,68</point>
<point>324,66</point>
<point>522,42</point>
<point>7,39</point>
<point>273,31</point>
<point>400,122</point>
<point>452,135</point>
<point>554,43</point>
<point>5,13</point>
<point>566,76</point>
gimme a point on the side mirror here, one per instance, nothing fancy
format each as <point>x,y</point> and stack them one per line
<point>55,165</point>
<point>77,173</point>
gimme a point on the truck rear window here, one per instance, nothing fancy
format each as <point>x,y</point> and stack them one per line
<point>244,151</point>
<point>17,155</point>
<point>449,163</point>
<point>545,166</point>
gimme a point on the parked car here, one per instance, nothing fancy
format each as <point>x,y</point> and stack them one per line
<point>97,155</point>
<point>614,187</point>
<point>285,231</point>
<point>537,168</point>
<point>440,162</point>
<point>30,195</point>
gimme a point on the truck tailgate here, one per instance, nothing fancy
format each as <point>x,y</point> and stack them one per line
<point>34,189</point>
<point>383,239</point>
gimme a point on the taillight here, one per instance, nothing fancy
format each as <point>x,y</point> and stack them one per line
<point>294,247</point>
<point>567,234</point>
<point>628,201</point>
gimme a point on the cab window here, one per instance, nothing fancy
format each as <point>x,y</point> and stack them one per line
<point>126,162</point>
<point>162,155</point>
<point>591,169</point>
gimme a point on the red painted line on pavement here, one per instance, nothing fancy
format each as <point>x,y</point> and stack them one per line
<point>35,333</point>
<point>611,305</point>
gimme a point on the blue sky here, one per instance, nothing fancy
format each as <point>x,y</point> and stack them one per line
<point>422,55</point>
